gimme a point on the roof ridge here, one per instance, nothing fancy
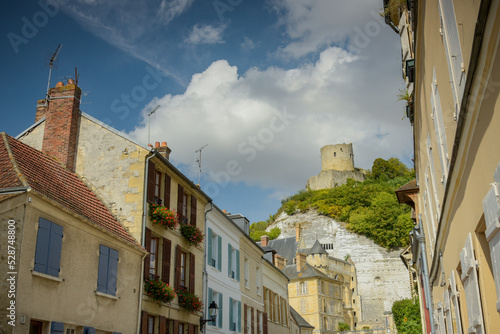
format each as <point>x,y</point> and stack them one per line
<point>13,161</point>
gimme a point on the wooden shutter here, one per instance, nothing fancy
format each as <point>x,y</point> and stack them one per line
<point>112,272</point>
<point>471,286</point>
<point>191,329</point>
<point>166,193</point>
<point>147,259</point>
<point>258,321</point>
<point>239,317</point>
<point>219,252</point>
<point>264,323</point>
<point>176,327</point>
<point>56,328</point>
<point>231,315</point>
<point>42,245</point>
<point>238,265</point>
<point>209,242</point>
<point>439,129</point>
<point>447,311</point>
<point>252,323</point>
<point>192,265</point>
<point>229,260</point>
<point>102,271</point>
<point>151,182</point>
<point>491,208</point>
<point>221,309</point>
<point>177,281</point>
<point>163,325</point>
<point>167,252</point>
<point>144,323</point>
<point>180,198</point>
<point>454,300</point>
<point>193,210</point>
<point>245,324</point>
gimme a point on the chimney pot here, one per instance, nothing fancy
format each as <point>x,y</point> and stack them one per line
<point>300,261</point>
<point>157,144</point>
<point>71,82</point>
<point>59,84</point>
<point>163,144</point>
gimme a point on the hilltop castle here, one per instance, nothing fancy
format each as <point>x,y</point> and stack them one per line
<point>337,165</point>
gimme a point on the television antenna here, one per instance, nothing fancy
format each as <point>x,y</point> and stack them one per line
<point>199,163</point>
<point>51,64</point>
<point>149,122</point>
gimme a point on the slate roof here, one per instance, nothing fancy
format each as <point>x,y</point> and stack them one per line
<point>21,165</point>
<point>308,271</point>
<point>317,249</point>
<point>299,320</point>
<point>285,247</point>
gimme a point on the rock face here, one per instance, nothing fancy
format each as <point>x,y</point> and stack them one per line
<point>382,276</point>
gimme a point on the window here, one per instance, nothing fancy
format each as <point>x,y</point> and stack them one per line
<point>217,297</point>
<point>153,257</point>
<point>214,252</point>
<point>439,128</point>
<point>182,204</point>
<point>302,306</point>
<point>471,285</point>
<point>233,262</point>
<point>184,270</point>
<point>36,327</point>
<point>181,328</point>
<point>157,186</point>
<point>108,269</point>
<point>48,248</point>
<point>303,288</point>
<point>234,315</point>
<point>246,273</point>
<point>151,324</point>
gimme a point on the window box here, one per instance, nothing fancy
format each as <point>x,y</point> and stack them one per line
<point>160,291</point>
<point>193,235</point>
<point>163,216</point>
<point>189,301</point>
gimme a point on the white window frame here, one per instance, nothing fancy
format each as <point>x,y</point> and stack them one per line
<point>439,128</point>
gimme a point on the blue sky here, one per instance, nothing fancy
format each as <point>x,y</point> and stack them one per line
<point>264,83</point>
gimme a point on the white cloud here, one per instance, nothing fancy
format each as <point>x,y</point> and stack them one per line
<point>206,34</point>
<point>170,9</point>
<point>266,127</point>
<point>248,44</point>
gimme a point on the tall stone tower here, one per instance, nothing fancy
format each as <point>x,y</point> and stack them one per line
<point>337,165</point>
<point>337,157</point>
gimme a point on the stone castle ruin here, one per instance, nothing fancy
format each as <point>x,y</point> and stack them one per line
<point>337,165</point>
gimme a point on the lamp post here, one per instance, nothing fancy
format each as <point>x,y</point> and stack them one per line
<point>212,311</point>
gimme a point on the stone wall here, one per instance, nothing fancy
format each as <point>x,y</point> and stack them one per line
<point>382,276</point>
<point>333,178</point>
<point>338,157</point>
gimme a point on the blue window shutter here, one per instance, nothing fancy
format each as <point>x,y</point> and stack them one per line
<point>57,328</point>
<point>229,259</point>
<point>219,253</point>
<point>210,299</point>
<point>239,317</point>
<point>238,265</point>
<point>54,259</point>
<point>209,253</point>
<point>42,246</point>
<point>231,314</point>
<point>102,273</point>
<point>220,310</point>
<point>88,330</point>
<point>112,271</point>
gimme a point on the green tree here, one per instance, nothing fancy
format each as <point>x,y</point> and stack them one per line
<point>406,314</point>
<point>343,326</point>
<point>389,169</point>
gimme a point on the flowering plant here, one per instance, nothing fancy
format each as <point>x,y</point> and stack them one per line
<point>189,301</point>
<point>163,216</point>
<point>192,234</point>
<point>159,291</point>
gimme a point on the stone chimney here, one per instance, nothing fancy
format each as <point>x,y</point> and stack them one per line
<point>264,240</point>
<point>279,261</point>
<point>163,149</point>
<point>300,260</point>
<point>62,116</point>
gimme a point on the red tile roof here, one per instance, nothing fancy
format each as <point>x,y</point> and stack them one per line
<point>22,165</point>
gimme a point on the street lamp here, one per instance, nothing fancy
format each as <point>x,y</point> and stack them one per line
<point>212,311</point>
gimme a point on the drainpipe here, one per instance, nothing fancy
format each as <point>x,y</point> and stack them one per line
<point>205,273</point>
<point>143,237</point>
<point>427,290</point>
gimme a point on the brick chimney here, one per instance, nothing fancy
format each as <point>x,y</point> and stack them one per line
<point>300,260</point>
<point>279,261</point>
<point>264,240</point>
<point>62,115</point>
<point>164,150</point>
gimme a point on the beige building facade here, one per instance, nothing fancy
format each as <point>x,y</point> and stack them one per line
<point>452,68</point>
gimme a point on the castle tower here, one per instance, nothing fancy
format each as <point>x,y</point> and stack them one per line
<point>337,157</point>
